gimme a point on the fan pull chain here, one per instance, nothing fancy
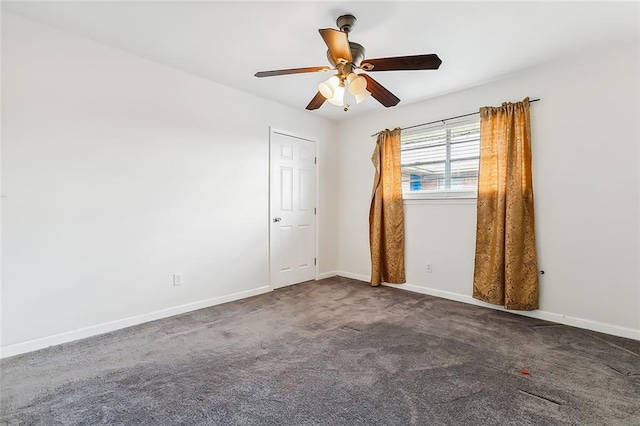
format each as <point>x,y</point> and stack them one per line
<point>344,101</point>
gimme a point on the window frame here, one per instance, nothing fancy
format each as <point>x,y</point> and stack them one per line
<point>446,194</point>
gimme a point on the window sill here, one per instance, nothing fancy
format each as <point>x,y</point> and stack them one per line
<point>440,195</point>
<point>440,200</point>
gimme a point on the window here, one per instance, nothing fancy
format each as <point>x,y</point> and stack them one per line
<point>441,161</point>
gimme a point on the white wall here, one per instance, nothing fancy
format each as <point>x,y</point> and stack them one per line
<point>117,172</point>
<point>585,154</point>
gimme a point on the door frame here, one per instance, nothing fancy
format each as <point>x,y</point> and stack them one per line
<point>273,130</point>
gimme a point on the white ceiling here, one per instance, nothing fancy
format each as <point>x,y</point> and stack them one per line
<point>228,42</point>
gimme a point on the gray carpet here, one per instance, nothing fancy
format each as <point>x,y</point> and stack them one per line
<point>333,352</point>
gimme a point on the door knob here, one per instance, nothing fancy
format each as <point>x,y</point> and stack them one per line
<point>277,219</point>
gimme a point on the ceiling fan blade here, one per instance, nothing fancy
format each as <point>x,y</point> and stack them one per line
<point>337,42</point>
<point>290,71</point>
<point>316,102</point>
<point>416,62</point>
<point>380,93</point>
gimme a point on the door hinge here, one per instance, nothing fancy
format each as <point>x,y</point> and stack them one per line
<point>315,160</point>
<point>315,260</point>
<point>315,210</point>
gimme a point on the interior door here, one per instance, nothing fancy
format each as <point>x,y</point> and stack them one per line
<point>292,210</point>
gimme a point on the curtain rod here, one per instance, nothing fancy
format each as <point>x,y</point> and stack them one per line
<point>445,119</point>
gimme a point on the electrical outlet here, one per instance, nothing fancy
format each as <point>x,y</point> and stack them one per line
<point>177,279</point>
<point>429,267</point>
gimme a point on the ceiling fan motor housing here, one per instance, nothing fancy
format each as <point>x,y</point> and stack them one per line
<point>346,23</point>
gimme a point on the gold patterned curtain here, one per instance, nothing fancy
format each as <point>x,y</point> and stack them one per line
<point>506,270</point>
<point>386,215</point>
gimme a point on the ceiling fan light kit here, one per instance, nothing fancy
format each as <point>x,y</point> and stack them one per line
<point>345,57</point>
<point>334,89</point>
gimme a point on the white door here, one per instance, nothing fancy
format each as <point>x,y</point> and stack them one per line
<point>292,210</point>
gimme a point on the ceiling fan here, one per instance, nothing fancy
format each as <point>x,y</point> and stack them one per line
<point>345,57</point>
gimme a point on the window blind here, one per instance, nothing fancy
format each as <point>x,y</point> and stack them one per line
<point>441,158</point>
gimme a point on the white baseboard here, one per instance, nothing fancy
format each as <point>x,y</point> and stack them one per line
<point>324,275</point>
<point>57,339</point>
<point>353,276</point>
<point>601,327</point>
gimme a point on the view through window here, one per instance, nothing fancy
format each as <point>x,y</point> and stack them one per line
<point>441,160</point>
